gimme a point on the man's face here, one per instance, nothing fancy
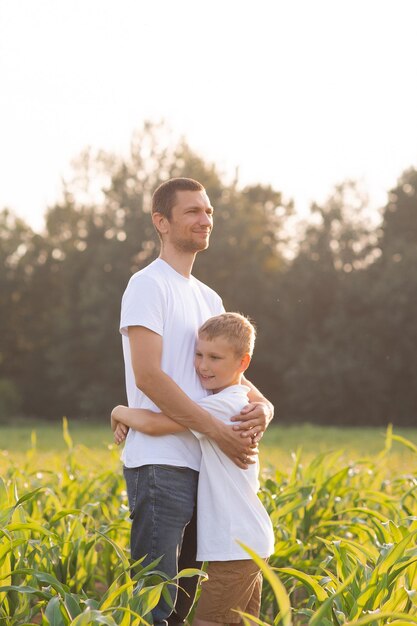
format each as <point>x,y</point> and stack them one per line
<point>191,221</point>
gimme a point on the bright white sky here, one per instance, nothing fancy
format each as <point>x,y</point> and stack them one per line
<point>301,94</point>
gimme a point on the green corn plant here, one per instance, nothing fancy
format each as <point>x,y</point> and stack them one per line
<point>345,541</point>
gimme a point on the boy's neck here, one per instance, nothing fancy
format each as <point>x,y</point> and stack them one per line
<point>232,384</point>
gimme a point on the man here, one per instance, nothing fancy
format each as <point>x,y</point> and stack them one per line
<point>162,308</point>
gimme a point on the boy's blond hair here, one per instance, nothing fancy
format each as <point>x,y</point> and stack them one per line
<point>236,328</point>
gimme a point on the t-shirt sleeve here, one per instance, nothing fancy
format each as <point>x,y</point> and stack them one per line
<point>221,406</point>
<point>142,305</point>
<point>218,306</point>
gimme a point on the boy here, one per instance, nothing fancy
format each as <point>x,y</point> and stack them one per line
<point>228,507</point>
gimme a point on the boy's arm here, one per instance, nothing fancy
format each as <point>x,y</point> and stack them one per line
<point>256,416</point>
<point>146,354</point>
<point>144,421</point>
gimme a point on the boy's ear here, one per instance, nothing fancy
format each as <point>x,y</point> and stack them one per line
<point>244,364</point>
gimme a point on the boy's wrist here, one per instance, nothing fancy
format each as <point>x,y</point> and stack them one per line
<point>113,419</point>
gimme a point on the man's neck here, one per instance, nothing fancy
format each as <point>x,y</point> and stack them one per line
<point>181,262</point>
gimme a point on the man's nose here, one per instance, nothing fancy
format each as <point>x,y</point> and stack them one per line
<point>206,219</point>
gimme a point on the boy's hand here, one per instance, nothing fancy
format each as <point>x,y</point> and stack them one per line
<point>253,420</point>
<point>120,433</point>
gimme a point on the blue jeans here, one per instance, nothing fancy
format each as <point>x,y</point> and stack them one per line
<point>162,502</point>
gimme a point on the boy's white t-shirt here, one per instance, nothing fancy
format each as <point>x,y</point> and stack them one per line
<point>159,298</point>
<point>228,508</point>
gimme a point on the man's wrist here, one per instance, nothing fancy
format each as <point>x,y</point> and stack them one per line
<point>214,429</point>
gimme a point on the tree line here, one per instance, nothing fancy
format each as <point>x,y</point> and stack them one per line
<point>334,299</point>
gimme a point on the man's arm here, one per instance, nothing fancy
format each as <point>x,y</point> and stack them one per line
<point>146,354</point>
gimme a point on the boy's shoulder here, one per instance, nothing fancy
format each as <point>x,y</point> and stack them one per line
<point>229,401</point>
<point>226,403</point>
<point>238,390</point>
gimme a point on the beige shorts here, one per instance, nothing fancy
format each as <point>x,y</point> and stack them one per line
<point>231,586</point>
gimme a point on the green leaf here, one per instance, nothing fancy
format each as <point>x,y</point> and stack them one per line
<point>277,586</point>
<point>320,614</point>
<point>114,594</point>
<point>150,597</point>
<point>249,619</point>
<point>189,573</point>
<point>66,435</point>
<point>405,620</point>
<point>6,515</point>
<point>53,613</point>
<point>395,553</point>
<point>48,579</point>
<point>307,580</point>
<point>28,496</point>
<point>406,442</point>
<point>26,589</point>
<point>32,526</point>
<point>4,496</point>
<point>362,509</point>
<point>64,513</point>
<point>88,618</point>
<point>72,605</point>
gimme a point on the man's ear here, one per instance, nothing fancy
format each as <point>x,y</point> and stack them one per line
<point>244,364</point>
<point>160,222</point>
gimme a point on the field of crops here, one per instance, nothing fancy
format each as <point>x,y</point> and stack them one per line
<point>345,528</point>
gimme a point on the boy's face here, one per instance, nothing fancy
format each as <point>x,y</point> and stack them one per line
<point>217,365</point>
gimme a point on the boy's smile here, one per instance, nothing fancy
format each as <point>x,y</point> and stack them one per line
<point>217,364</point>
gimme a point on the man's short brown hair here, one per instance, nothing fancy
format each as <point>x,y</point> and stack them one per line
<point>164,196</point>
<point>236,328</point>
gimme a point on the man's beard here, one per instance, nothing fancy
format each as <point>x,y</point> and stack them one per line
<point>185,245</point>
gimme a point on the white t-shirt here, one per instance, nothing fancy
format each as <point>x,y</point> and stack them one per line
<point>159,298</point>
<point>228,508</point>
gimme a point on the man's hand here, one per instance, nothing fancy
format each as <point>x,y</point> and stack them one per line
<point>253,420</point>
<point>241,451</point>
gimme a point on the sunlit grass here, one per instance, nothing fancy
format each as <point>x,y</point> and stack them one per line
<point>343,506</point>
<point>281,442</point>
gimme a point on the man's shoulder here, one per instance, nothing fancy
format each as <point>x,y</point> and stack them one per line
<point>147,284</point>
<point>151,270</point>
<point>149,274</point>
<point>208,291</point>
